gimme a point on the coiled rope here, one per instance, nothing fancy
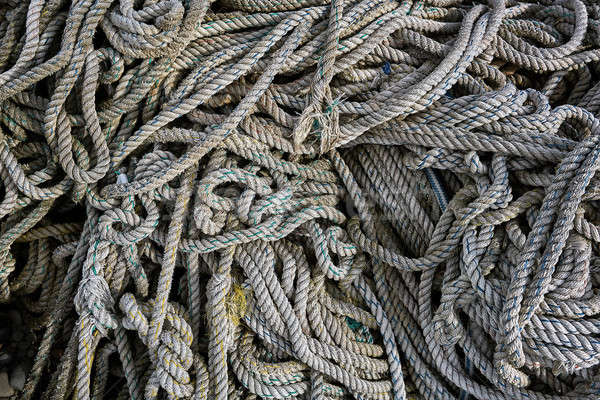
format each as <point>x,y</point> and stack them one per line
<point>311,199</point>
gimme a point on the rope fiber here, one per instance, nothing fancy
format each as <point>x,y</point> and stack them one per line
<point>301,199</point>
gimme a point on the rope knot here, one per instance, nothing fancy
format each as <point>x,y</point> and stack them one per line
<point>273,204</point>
<point>510,374</point>
<point>339,242</point>
<point>113,65</point>
<point>447,327</point>
<point>209,222</point>
<point>134,319</point>
<point>93,298</point>
<point>214,202</point>
<point>139,228</point>
<point>174,359</point>
<point>171,353</point>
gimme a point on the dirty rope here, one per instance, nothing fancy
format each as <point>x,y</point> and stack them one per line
<point>311,199</point>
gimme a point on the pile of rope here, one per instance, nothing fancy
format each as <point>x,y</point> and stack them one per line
<point>311,199</point>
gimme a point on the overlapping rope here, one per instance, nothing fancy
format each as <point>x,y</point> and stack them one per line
<point>370,199</point>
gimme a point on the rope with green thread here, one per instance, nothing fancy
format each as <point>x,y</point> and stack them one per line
<point>366,199</point>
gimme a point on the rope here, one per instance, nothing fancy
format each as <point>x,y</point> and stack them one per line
<point>301,199</point>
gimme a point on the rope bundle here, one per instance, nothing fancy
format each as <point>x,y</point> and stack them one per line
<point>306,199</point>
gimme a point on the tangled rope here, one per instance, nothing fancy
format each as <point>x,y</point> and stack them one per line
<point>243,199</point>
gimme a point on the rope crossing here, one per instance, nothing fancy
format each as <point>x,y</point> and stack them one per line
<point>302,199</point>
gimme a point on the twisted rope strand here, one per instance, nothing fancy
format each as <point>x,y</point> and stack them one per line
<point>300,199</point>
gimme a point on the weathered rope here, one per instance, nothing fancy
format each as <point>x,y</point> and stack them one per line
<point>311,199</point>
